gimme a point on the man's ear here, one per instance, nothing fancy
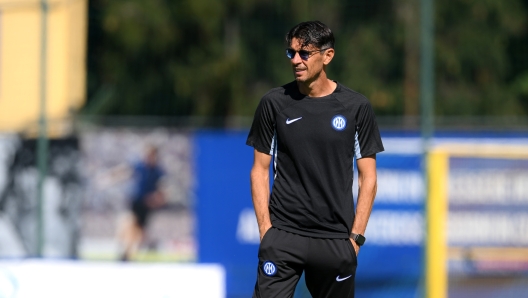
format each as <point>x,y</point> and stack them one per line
<point>328,56</point>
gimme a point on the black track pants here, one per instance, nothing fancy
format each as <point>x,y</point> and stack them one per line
<point>329,266</point>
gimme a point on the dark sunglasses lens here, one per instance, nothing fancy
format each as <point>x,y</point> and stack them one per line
<point>290,53</point>
<point>304,54</point>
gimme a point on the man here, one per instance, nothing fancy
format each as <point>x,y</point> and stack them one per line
<point>313,127</point>
<point>146,195</point>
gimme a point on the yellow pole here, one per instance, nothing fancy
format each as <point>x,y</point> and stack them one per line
<point>436,250</point>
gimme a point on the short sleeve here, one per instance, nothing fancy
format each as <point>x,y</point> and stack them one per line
<point>367,138</point>
<point>262,132</point>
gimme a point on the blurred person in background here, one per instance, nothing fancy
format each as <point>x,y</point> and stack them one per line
<point>147,194</point>
<point>313,127</point>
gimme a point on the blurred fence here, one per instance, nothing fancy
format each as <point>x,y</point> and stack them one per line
<point>85,197</point>
<point>18,199</point>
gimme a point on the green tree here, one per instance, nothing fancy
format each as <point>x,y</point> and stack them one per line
<point>473,62</point>
<point>217,58</point>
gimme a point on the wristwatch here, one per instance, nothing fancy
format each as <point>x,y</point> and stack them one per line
<point>358,238</point>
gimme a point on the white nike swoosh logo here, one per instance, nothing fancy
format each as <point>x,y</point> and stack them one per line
<point>341,279</point>
<point>288,121</point>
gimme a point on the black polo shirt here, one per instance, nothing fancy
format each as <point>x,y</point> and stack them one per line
<point>313,142</point>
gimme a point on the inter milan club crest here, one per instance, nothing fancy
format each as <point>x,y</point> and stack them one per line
<point>339,122</point>
<point>269,268</point>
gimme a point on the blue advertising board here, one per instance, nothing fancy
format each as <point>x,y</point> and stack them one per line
<point>223,162</point>
<point>391,262</point>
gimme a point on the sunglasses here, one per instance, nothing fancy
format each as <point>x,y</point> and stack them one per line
<point>304,54</point>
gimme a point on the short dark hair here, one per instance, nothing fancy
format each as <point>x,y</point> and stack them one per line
<point>312,33</point>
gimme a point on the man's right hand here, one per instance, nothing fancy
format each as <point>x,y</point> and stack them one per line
<point>263,231</point>
<point>354,244</point>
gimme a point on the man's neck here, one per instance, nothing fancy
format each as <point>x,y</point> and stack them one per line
<point>317,88</point>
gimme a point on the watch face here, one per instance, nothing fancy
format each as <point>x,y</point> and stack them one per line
<point>360,239</point>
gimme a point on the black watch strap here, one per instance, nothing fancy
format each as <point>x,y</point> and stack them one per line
<point>358,238</point>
